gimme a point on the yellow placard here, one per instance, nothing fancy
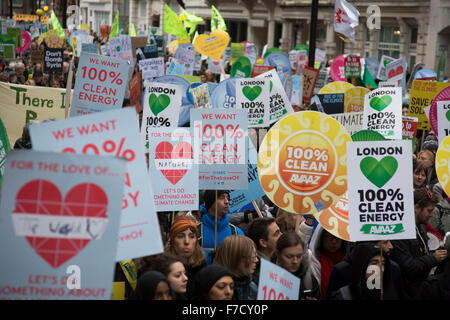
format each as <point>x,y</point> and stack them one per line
<point>302,164</point>
<point>422,95</point>
<point>30,18</point>
<point>335,219</point>
<point>212,45</point>
<point>85,28</point>
<point>443,164</point>
<point>173,46</point>
<point>183,41</point>
<point>19,104</point>
<point>336,87</point>
<point>118,291</point>
<point>51,39</point>
<point>354,99</point>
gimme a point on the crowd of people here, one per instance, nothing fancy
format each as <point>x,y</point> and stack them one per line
<point>203,261</point>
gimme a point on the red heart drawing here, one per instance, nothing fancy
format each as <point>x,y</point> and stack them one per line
<point>42,197</point>
<point>396,72</point>
<point>165,150</point>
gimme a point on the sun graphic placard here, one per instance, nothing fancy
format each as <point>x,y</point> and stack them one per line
<point>335,219</point>
<point>302,162</point>
<point>336,87</point>
<point>443,164</point>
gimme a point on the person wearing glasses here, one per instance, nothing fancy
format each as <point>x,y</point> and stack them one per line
<point>238,254</point>
<point>413,255</point>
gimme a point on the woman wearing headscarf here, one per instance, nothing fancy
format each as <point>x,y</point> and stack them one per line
<point>214,282</point>
<point>183,243</point>
<point>153,285</point>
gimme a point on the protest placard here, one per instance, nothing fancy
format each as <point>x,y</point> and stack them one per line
<point>137,42</point>
<point>443,164</point>
<point>422,94</point>
<point>396,72</point>
<point>220,147</point>
<point>297,89</point>
<point>147,52</point>
<point>236,51</point>
<point>385,60</point>
<point>58,213</point>
<point>136,92</point>
<point>162,103</point>
<point>152,68</point>
<point>301,155</point>
<point>260,69</point>
<point>302,61</point>
<point>201,97</point>
<point>443,111</point>
<point>383,112</point>
<point>120,47</point>
<point>172,168</point>
<point>322,80</point>
<point>280,104</point>
<point>354,99</point>
<point>242,68</point>
<point>20,104</point>
<point>409,129</point>
<point>89,48</point>
<point>276,283</point>
<point>7,46</point>
<point>352,122</point>
<point>443,95</point>
<point>309,81</point>
<point>16,34</point>
<point>4,148</point>
<point>212,45</point>
<point>53,60</point>
<point>352,66</point>
<point>100,84</point>
<point>331,103</point>
<point>252,94</point>
<point>112,133</point>
<point>380,191</point>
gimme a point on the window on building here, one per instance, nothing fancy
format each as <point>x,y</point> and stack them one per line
<point>17,3</point>
<point>413,35</point>
<point>389,42</point>
<point>142,9</point>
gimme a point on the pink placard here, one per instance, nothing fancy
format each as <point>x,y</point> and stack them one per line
<point>337,70</point>
<point>26,42</point>
<point>443,95</point>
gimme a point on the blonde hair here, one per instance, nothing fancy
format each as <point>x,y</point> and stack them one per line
<point>233,251</point>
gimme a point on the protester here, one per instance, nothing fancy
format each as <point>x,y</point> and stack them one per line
<point>440,219</point>
<point>371,278</point>
<point>210,239</point>
<point>237,253</point>
<point>214,282</point>
<point>152,285</point>
<point>291,255</point>
<point>420,173</point>
<point>183,243</point>
<point>172,268</point>
<point>413,255</point>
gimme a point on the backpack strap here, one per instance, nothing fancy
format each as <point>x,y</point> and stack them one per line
<point>233,229</point>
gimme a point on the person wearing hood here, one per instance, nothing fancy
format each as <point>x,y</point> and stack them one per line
<point>441,213</point>
<point>372,277</point>
<point>341,275</point>
<point>326,250</point>
<point>213,282</point>
<point>291,255</point>
<point>153,285</point>
<point>207,228</point>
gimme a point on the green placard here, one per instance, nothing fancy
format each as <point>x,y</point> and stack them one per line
<point>242,68</point>
<point>16,34</point>
<point>237,51</point>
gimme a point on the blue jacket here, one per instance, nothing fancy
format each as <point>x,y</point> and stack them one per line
<point>223,231</point>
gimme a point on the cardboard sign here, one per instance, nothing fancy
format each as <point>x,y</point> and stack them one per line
<point>147,52</point>
<point>162,103</point>
<point>380,191</point>
<point>19,104</point>
<point>385,60</point>
<point>276,283</point>
<point>152,68</point>
<point>112,133</point>
<point>222,153</point>
<point>383,112</point>
<point>352,66</point>
<point>443,164</point>
<point>201,96</point>
<point>136,92</point>
<point>396,72</point>
<point>100,84</point>
<point>137,42</point>
<point>280,104</point>
<point>354,99</point>
<point>352,122</point>
<point>310,77</point>
<point>212,45</point>
<point>53,60</point>
<point>58,213</point>
<point>252,95</point>
<point>120,47</point>
<point>302,156</point>
<point>242,199</point>
<point>422,95</point>
<point>443,111</point>
<point>174,176</point>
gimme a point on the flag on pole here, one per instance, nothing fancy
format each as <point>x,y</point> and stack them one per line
<point>56,25</point>
<point>132,31</point>
<point>115,26</point>
<point>191,21</point>
<point>367,80</point>
<point>217,21</point>
<point>173,24</point>
<point>441,66</point>
<point>346,19</point>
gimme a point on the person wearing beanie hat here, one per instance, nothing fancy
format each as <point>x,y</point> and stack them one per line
<point>214,282</point>
<point>210,235</point>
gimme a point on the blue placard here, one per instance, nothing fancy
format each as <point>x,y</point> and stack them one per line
<point>224,95</point>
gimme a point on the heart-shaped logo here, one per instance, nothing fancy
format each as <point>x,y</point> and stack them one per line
<point>448,115</point>
<point>379,172</point>
<point>212,45</point>
<point>396,72</point>
<point>251,93</point>
<point>380,104</point>
<point>158,103</point>
<point>178,159</point>
<point>271,86</point>
<point>242,67</point>
<point>56,221</point>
